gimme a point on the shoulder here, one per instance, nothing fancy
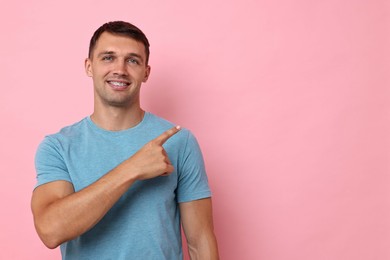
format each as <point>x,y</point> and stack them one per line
<point>73,130</point>
<point>64,135</point>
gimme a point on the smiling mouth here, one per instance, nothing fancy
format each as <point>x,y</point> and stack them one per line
<point>118,84</point>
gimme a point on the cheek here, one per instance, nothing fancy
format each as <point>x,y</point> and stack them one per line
<point>137,75</point>
<point>99,72</point>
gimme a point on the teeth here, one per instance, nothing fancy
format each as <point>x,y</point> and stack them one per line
<point>121,84</point>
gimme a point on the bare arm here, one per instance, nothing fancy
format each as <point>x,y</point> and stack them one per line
<point>61,214</point>
<point>197,221</point>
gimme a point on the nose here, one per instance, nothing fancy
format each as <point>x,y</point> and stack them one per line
<point>120,68</point>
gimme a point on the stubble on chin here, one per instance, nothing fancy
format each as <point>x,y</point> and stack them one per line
<point>117,101</point>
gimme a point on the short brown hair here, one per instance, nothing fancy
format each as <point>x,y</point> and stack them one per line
<point>121,28</point>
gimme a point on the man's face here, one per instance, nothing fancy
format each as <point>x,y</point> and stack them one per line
<point>118,68</point>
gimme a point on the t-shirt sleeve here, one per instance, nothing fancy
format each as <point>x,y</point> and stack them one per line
<point>49,163</point>
<point>192,183</point>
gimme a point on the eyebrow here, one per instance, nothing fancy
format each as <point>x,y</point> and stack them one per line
<point>132,54</point>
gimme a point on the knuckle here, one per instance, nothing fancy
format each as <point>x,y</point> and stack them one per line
<point>150,144</point>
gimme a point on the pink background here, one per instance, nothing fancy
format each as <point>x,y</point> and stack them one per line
<point>289,101</point>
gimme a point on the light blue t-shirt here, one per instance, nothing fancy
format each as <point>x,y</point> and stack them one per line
<point>145,222</point>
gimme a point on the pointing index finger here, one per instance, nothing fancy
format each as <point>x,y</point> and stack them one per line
<point>166,135</point>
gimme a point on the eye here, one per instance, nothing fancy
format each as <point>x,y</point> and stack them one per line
<point>132,60</point>
<point>107,58</point>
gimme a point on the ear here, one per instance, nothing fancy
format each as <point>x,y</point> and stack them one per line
<point>88,67</point>
<point>147,73</point>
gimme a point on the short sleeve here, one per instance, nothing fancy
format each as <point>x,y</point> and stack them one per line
<point>192,183</point>
<point>49,163</point>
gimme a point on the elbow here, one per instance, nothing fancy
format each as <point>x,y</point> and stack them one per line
<point>51,244</point>
<point>48,235</point>
<point>49,241</point>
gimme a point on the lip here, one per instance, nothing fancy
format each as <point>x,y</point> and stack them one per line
<point>113,83</point>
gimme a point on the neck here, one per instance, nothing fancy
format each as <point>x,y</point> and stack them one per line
<point>117,118</point>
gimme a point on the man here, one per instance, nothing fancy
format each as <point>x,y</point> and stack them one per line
<point>117,184</point>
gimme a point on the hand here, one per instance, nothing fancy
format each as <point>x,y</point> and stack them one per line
<point>151,160</point>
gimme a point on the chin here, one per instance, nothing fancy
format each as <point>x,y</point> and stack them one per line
<point>122,103</point>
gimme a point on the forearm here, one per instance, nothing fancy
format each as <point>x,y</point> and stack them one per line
<point>204,248</point>
<point>74,214</point>
<point>197,221</point>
